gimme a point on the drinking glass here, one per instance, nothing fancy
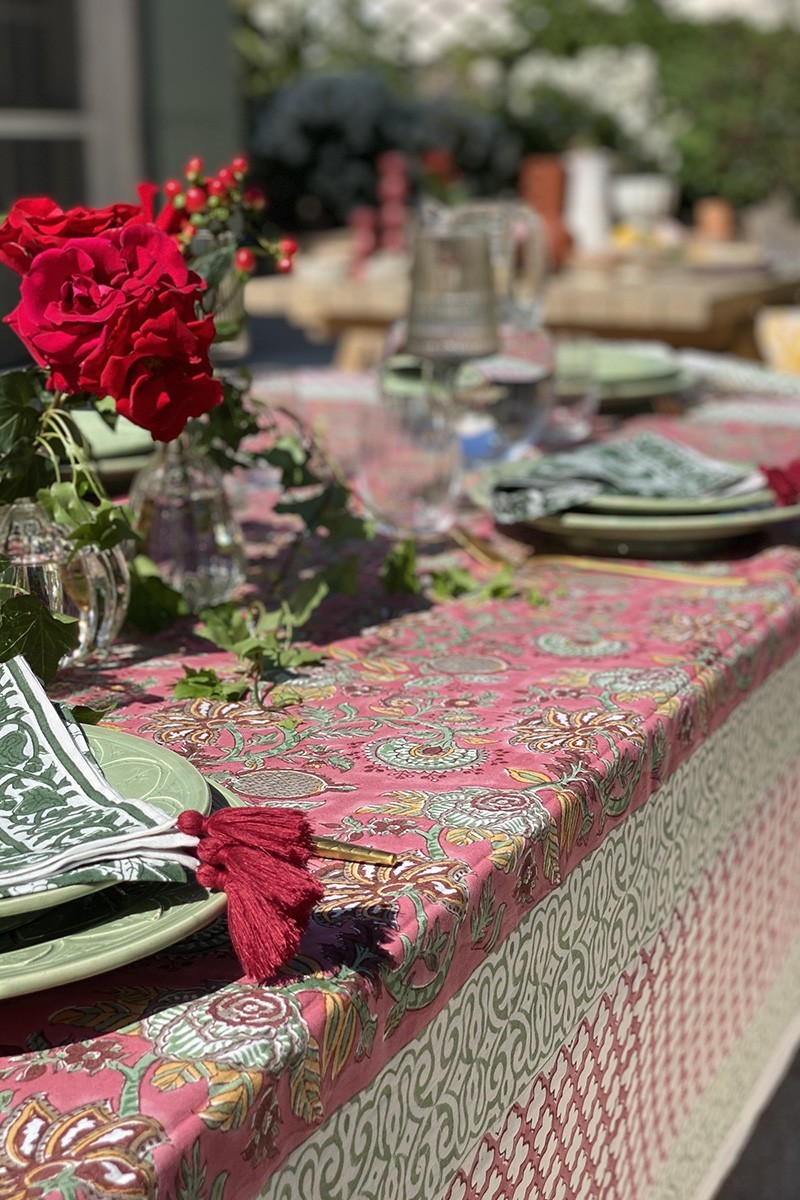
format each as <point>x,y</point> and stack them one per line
<point>410,460</point>
<point>576,393</point>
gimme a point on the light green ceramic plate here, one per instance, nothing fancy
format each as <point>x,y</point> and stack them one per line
<point>656,506</point>
<point>659,537</point>
<point>139,770</point>
<point>124,441</point>
<point>125,922</point>
<point>97,934</point>
<point>660,506</point>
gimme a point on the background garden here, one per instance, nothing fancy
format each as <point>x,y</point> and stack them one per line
<point>712,101</point>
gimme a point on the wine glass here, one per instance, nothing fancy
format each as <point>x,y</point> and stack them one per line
<point>576,392</point>
<point>409,469</point>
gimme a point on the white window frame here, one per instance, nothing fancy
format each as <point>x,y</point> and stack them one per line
<point>108,121</point>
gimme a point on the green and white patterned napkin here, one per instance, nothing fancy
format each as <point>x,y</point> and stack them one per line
<point>60,822</point>
<point>644,465</point>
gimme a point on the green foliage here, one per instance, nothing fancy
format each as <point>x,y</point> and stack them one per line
<point>454,582</point>
<point>728,87</point>
<point>22,468</point>
<point>86,714</point>
<point>399,571</point>
<point>262,641</point>
<point>731,84</point>
<point>100,524</point>
<point>154,605</point>
<point>206,682</point>
<point>28,628</point>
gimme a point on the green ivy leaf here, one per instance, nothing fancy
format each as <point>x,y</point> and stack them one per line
<point>306,599</point>
<point>291,458</point>
<point>225,625</point>
<point>20,407</point>
<point>452,582</point>
<point>84,714</point>
<point>398,573</point>
<point>154,604</point>
<point>28,628</point>
<point>108,526</point>
<point>215,265</point>
<point>204,681</point>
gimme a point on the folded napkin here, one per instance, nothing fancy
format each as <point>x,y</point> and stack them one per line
<point>62,824</point>
<point>644,465</point>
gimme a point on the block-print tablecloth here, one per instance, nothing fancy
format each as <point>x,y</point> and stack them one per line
<point>596,803</point>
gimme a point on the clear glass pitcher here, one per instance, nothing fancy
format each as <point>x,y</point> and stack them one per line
<point>518,253</point>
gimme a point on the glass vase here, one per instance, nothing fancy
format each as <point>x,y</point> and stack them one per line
<point>90,584</point>
<point>179,505</point>
<point>224,299</point>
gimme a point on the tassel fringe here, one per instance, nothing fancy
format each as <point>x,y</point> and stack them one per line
<point>259,858</point>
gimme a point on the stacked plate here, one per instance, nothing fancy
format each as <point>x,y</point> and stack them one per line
<point>665,528</point>
<point>51,938</point>
<point>631,379</point>
<point>118,453</point>
<point>614,523</point>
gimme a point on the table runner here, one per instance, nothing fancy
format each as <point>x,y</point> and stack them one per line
<point>500,748</point>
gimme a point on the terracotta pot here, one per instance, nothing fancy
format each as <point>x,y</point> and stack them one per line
<point>714,219</point>
<point>542,181</point>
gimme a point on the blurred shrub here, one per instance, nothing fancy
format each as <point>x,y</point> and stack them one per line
<point>331,87</point>
<point>317,139</point>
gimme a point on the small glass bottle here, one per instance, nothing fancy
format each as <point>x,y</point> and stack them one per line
<point>90,584</point>
<point>178,504</point>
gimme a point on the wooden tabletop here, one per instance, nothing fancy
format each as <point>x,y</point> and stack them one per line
<point>683,307</point>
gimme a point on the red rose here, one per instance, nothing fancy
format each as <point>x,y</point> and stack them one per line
<point>39,224</point>
<point>73,297</point>
<point>161,375</point>
<point>118,315</point>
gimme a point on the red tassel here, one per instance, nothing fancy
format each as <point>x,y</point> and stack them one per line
<point>259,858</point>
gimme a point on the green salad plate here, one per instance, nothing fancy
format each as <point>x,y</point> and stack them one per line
<point>74,933</point>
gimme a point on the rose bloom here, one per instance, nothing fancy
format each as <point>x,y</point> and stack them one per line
<point>40,224</point>
<point>117,315</point>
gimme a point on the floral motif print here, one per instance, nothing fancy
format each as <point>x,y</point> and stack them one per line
<point>580,645</point>
<point>87,1151</point>
<point>210,1027</point>
<point>407,755</point>
<point>630,682</point>
<point>354,887</point>
<point>582,731</point>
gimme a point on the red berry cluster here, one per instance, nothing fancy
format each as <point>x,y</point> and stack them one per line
<point>210,202</point>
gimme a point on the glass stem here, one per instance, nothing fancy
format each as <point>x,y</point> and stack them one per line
<point>439,377</point>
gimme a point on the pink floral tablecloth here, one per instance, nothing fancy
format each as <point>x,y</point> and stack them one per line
<point>496,746</point>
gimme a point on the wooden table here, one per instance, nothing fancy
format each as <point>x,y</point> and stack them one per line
<point>709,311</point>
<point>678,306</point>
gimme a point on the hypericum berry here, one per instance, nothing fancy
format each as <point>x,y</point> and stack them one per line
<point>193,167</point>
<point>245,260</point>
<point>287,247</point>
<point>254,197</point>
<point>283,265</point>
<point>195,200</point>
<point>239,165</point>
<point>216,187</point>
<point>173,188</point>
<point>226,177</point>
